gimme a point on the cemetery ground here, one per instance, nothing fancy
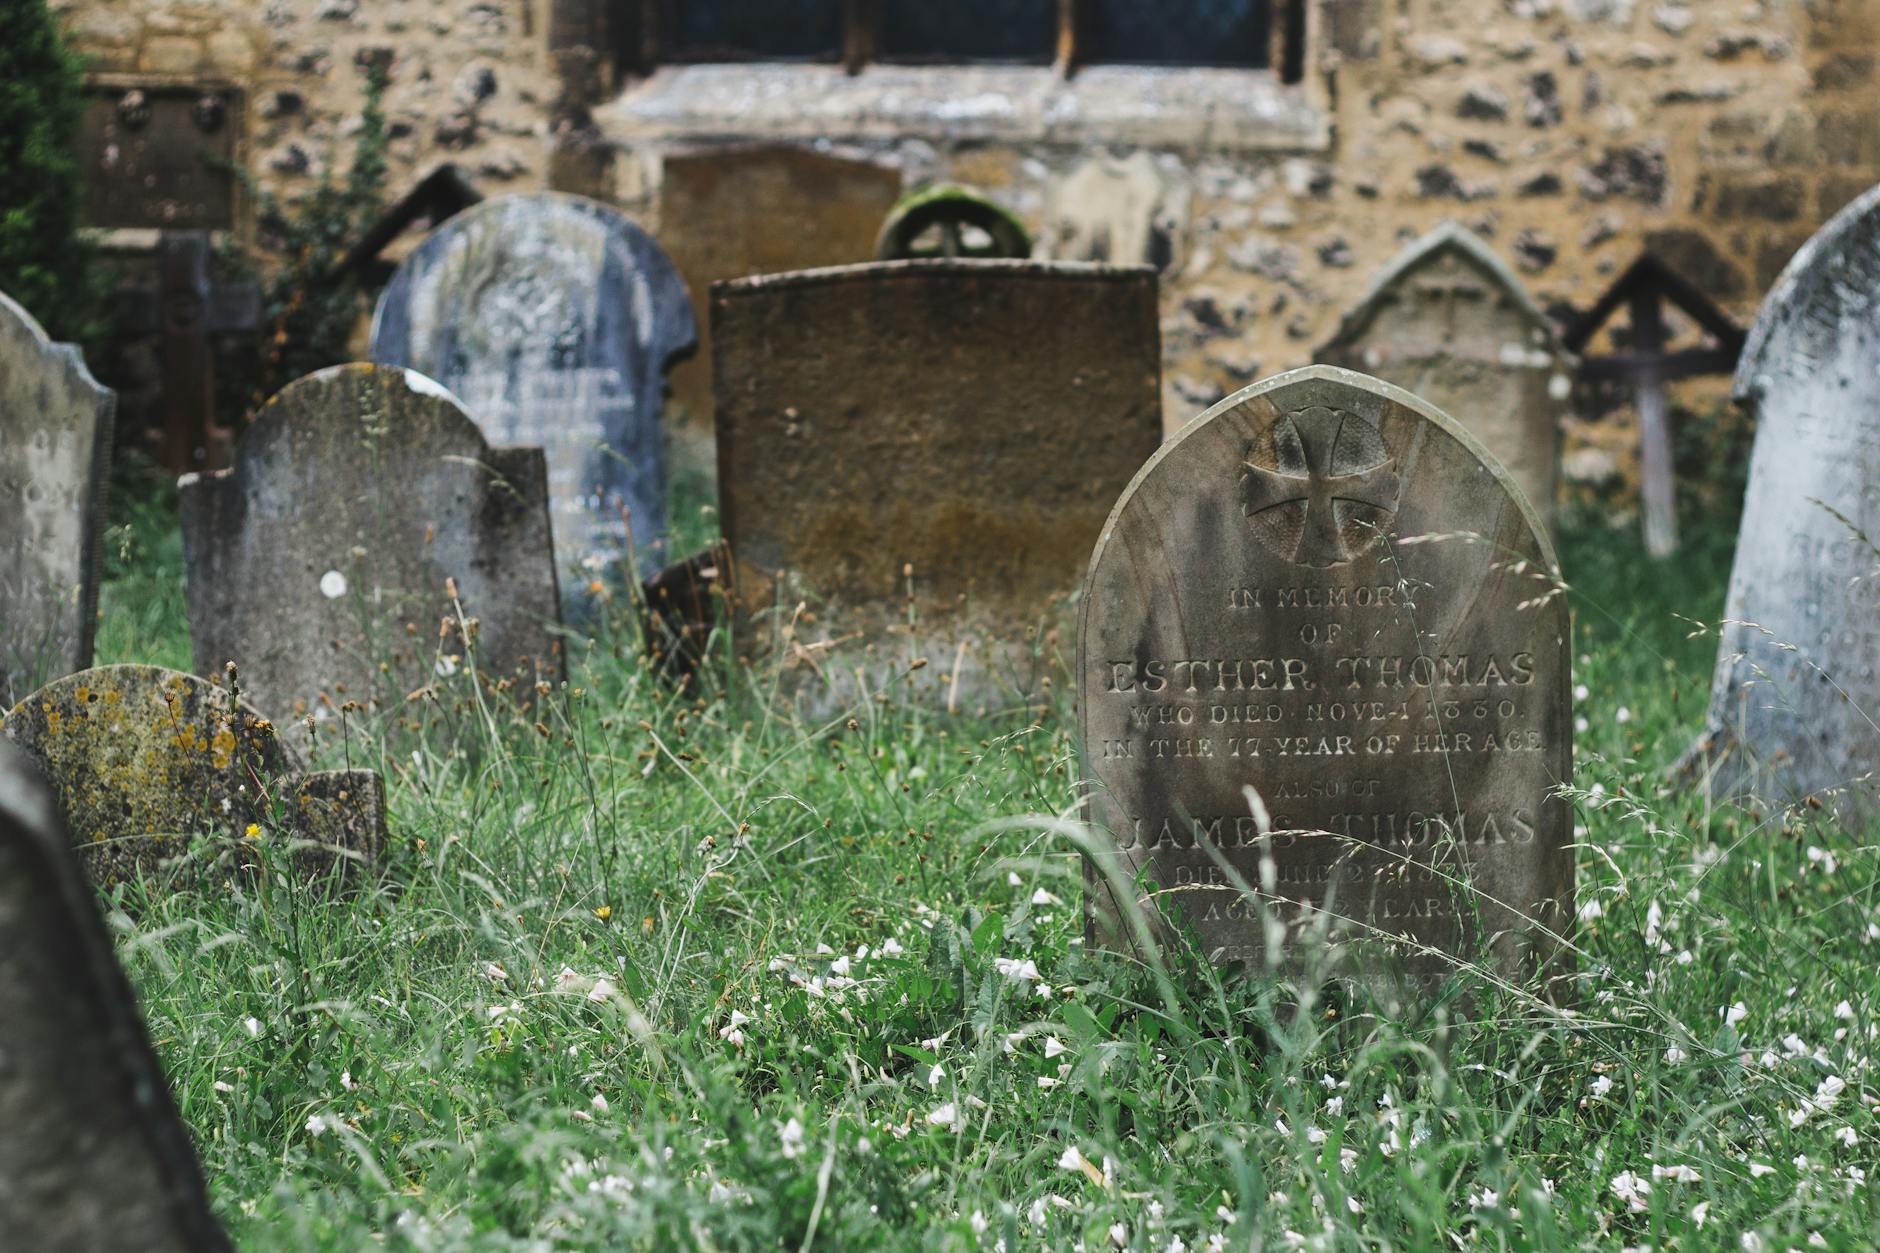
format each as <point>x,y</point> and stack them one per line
<point>688,971</point>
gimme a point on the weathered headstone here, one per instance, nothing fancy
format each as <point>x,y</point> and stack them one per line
<point>719,215</point>
<point>925,450</point>
<point>55,448</point>
<point>364,509</point>
<point>553,318</point>
<point>1449,322</point>
<point>1325,590</point>
<point>949,221</point>
<point>92,1152</point>
<point>1796,694</point>
<point>141,757</point>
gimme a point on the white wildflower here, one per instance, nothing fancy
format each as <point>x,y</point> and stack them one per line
<point>790,1139</point>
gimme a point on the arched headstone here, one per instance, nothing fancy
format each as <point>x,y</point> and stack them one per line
<point>949,223</point>
<point>55,452</point>
<point>1325,590</point>
<point>364,510</point>
<point>92,1152</point>
<point>1796,694</point>
<point>553,318</point>
<point>1450,323</point>
<point>139,756</point>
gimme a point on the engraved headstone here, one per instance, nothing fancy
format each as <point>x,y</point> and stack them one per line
<point>924,451</point>
<point>141,758</point>
<point>365,518</point>
<point>723,214</point>
<point>1325,590</point>
<point>552,318</point>
<point>55,447</point>
<point>1796,693</point>
<point>92,1152</point>
<point>1449,322</point>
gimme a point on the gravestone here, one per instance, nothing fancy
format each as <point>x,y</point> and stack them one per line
<point>55,452</point>
<point>141,757</point>
<point>924,451</point>
<point>92,1152</point>
<point>1326,590</point>
<point>948,221</point>
<point>552,318</point>
<point>364,516</point>
<point>1449,322</point>
<point>719,215</point>
<point>1797,686</point>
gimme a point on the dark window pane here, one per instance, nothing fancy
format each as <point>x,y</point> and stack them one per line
<point>752,30</point>
<point>1191,32</point>
<point>967,30</point>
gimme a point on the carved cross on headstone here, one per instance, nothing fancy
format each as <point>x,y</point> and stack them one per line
<point>1448,294</point>
<point>1323,456</point>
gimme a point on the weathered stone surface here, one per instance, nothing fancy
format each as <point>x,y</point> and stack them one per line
<point>140,757</point>
<point>1124,211</point>
<point>1797,686</point>
<point>1324,590</point>
<point>92,1152</point>
<point>55,449</point>
<point>719,218</point>
<point>364,517</point>
<point>925,450</point>
<point>553,318</point>
<point>1449,322</point>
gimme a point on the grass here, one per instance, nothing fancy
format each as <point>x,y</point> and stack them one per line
<point>692,973</point>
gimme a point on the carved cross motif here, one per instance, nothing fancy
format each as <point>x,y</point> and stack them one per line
<point>1447,293</point>
<point>1323,457</point>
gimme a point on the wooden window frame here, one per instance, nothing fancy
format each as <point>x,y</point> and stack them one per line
<point>639,46</point>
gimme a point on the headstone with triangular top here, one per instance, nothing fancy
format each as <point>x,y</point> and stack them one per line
<point>1322,590</point>
<point>553,317</point>
<point>55,447</point>
<point>1449,322</point>
<point>92,1152</point>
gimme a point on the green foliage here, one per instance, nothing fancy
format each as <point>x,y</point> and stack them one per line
<point>44,264</point>
<point>309,308</point>
<point>686,972</point>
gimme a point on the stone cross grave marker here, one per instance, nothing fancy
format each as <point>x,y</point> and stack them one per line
<point>1796,694</point>
<point>1323,589</point>
<point>92,1152</point>
<point>323,561</point>
<point>1449,322</point>
<point>925,450</point>
<point>140,756</point>
<point>553,318</point>
<point>55,450</point>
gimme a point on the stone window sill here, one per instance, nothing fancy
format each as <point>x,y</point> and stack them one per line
<point>1139,106</point>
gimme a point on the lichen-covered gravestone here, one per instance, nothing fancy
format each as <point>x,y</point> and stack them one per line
<point>553,318</point>
<point>1449,322</point>
<point>142,758</point>
<point>1323,589</point>
<point>1796,695</point>
<point>92,1152</point>
<point>923,451</point>
<point>55,449</point>
<point>365,518</point>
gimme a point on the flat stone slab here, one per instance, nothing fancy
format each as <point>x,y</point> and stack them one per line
<point>924,451</point>
<point>1449,322</point>
<point>1796,692</point>
<point>1323,590</point>
<point>92,1152</point>
<point>553,317</point>
<point>140,758</point>
<point>55,454</point>
<point>365,515</point>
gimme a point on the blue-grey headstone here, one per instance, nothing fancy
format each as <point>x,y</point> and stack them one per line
<point>553,317</point>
